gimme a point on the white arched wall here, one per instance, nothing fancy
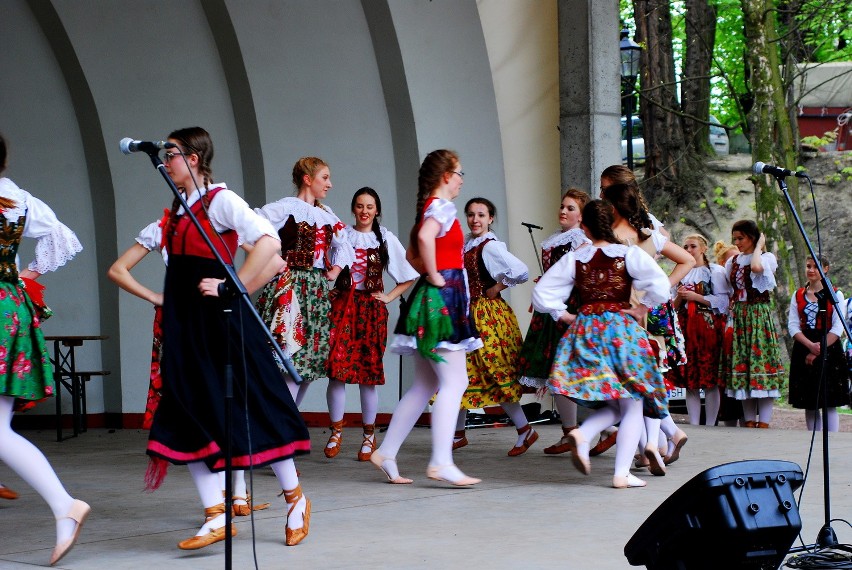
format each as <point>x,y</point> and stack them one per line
<point>271,81</point>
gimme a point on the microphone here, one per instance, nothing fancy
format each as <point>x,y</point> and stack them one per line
<point>531,226</point>
<point>776,171</point>
<point>128,145</point>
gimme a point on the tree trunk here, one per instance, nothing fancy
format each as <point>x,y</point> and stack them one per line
<point>673,171</point>
<point>772,142</point>
<point>695,85</point>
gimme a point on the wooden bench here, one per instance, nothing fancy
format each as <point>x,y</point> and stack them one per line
<point>84,377</point>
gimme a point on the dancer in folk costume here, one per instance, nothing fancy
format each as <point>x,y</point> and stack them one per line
<point>150,239</point>
<point>27,375</point>
<point>435,326</point>
<point>634,224</point>
<point>730,409</point>
<point>203,332</point>
<point>360,319</point>
<point>702,305</point>
<point>811,385</point>
<point>493,370</point>
<point>543,334</point>
<point>751,358</point>
<point>295,305</point>
<point>605,360</point>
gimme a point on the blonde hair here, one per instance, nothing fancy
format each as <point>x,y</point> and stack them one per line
<point>720,249</point>
<point>703,241</point>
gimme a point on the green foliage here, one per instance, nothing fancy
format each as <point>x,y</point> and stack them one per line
<point>723,202</point>
<point>818,142</point>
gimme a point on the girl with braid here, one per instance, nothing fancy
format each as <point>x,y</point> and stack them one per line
<point>27,375</point>
<point>203,331</point>
<point>635,225</point>
<point>435,326</point>
<point>295,305</point>
<point>604,360</point>
<point>359,318</point>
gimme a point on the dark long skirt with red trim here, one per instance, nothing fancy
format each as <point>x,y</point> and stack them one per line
<point>202,337</point>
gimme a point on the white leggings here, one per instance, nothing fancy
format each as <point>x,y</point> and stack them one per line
<point>335,396</point>
<point>209,484</point>
<point>449,380</point>
<point>814,420</point>
<point>629,412</point>
<point>30,464</point>
<point>758,408</point>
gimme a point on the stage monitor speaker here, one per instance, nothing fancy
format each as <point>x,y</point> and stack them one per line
<point>740,515</point>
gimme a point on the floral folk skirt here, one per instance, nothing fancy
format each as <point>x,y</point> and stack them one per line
<point>703,332</point>
<point>750,364</point>
<point>606,357</point>
<point>359,334</point>
<point>493,370</point>
<point>538,350</point>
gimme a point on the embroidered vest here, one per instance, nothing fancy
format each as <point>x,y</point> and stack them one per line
<point>478,278</point>
<point>10,239</point>
<point>548,258</point>
<point>368,268</point>
<point>302,242</point>
<point>752,294</point>
<point>602,284</point>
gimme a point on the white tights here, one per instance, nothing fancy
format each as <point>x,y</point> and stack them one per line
<point>712,401</point>
<point>209,486</point>
<point>754,408</point>
<point>815,423</point>
<point>449,380</point>
<point>629,412</point>
<point>567,409</point>
<point>297,391</point>
<point>32,466</point>
<point>335,396</point>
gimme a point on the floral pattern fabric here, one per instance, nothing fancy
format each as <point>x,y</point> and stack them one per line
<point>750,364</point>
<point>358,338</point>
<point>493,370</point>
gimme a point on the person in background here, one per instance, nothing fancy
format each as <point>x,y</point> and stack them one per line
<point>812,385</point>
<point>295,305</point>
<point>751,357</point>
<point>435,326</point>
<point>730,409</point>
<point>543,334</point>
<point>27,374</point>
<point>493,370</point>
<point>605,360</point>
<point>702,303</point>
<point>359,318</point>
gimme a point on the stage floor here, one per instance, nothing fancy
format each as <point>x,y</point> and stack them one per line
<point>531,511</point>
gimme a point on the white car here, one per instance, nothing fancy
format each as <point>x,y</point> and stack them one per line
<point>718,139</point>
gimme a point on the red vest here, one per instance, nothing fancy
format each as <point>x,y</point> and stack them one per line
<point>801,302</point>
<point>184,239</point>
<point>449,247</point>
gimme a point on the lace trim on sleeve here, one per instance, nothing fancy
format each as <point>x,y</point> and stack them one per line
<point>55,249</point>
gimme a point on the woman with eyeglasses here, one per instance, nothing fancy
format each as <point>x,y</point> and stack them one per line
<point>27,374</point>
<point>296,305</point>
<point>360,319</point>
<point>205,333</point>
<point>435,326</point>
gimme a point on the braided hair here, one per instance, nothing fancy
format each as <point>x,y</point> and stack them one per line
<point>598,219</point>
<point>435,165</point>
<point>628,202</point>
<point>377,229</point>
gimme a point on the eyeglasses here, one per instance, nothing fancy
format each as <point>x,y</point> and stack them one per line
<point>167,157</point>
<point>459,172</point>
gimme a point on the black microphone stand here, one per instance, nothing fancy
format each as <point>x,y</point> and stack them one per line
<point>826,537</point>
<point>535,248</point>
<point>234,281</point>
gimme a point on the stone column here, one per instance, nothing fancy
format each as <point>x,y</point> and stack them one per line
<point>589,91</point>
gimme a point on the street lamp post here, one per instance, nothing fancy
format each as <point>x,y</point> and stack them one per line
<point>630,51</point>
